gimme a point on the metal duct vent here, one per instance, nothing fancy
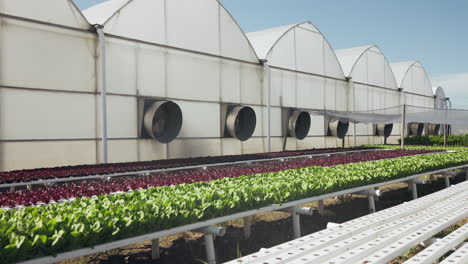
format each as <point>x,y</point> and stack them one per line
<point>240,122</point>
<point>162,120</point>
<point>299,124</point>
<point>384,130</point>
<point>415,129</point>
<point>338,129</point>
<point>432,129</point>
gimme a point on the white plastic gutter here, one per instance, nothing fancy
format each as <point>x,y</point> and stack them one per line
<point>102,53</point>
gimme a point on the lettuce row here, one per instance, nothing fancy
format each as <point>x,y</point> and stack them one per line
<point>48,230</point>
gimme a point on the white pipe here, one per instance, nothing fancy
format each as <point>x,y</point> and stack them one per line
<point>371,192</point>
<point>414,189</point>
<point>296,219</point>
<point>371,203</point>
<point>419,181</point>
<point>299,210</point>
<point>102,45</point>
<point>210,250</point>
<point>212,230</point>
<point>269,107</point>
<point>447,181</point>
<point>331,225</point>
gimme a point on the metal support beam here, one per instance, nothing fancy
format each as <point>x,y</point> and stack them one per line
<point>414,189</point>
<point>447,181</point>
<point>403,125</point>
<point>247,231</point>
<point>466,174</point>
<point>102,54</point>
<point>371,204</point>
<point>320,207</point>
<point>210,250</point>
<point>155,254</point>
<point>296,219</point>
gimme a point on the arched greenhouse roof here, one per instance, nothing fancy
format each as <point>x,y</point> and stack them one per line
<point>412,77</point>
<point>299,46</point>
<point>60,12</point>
<point>368,65</point>
<point>440,98</point>
<point>203,25</point>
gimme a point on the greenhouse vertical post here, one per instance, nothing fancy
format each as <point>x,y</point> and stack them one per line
<point>102,52</point>
<point>268,105</point>
<point>403,124</point>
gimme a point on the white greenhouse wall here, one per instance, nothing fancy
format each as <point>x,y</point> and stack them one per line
<point>194,54</point>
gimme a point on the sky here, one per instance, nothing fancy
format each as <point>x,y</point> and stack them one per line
<point>435,32</point>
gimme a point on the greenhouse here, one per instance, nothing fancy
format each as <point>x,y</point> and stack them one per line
<point>133,122</point>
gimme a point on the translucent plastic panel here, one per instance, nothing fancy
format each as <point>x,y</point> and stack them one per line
<point>375,68</point>
<point>309,51</point>
<point>27,114</point>
<point>359,72</point>
<point>310,92</point>
<point>330,94</point>
<point>230,81</point>
<point>258,132</point>
<point>149,149</point>
<point>61,12</point>
<point>407,83</point>
<point>230,146</point>
<point>332,66</point>
<point>121,117</point>
<point>276,86</point>
<point>317,126</point>
<point>361,94</point>
<point>389,78</point>
<point>289,89</point>
<point>311,142</point>
<point>142,20</point>
<point>51,58</point>
<point>121,66</point>
<point>233,42</point>
<point>421,83</point>
<point>121,151</point>
<point>200,119</point>
<point>343,92</point>
<point>192,76</point>
<point>253,145</point>
<point>275,121</point>
<point>251,84</point>
<point>182,148</point>
<point>282,54</point>
<point>151,73</point>
<point>193,25</point>
<point>28,155</point>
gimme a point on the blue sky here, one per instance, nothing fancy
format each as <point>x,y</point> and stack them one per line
<point>435,32</point>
